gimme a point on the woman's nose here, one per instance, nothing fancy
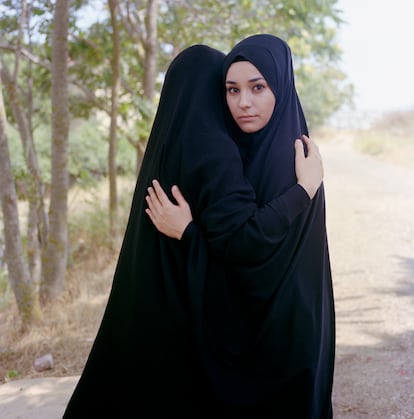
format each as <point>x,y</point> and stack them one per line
<point>244,101</point>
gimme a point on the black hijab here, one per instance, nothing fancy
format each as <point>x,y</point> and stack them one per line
<point>275,350</point>
<point>276,173</point>
<point>148,357</point>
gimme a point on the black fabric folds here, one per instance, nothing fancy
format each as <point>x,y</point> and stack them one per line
<point>274,354</point>
<point>143,362</point>
<point>151,356</point>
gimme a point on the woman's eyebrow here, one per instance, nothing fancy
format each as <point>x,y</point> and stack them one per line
<point>253,80</point>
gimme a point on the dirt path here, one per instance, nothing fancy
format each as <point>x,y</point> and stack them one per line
<point>370,219</point>
<point>370,207</point>
<point>36,398</point>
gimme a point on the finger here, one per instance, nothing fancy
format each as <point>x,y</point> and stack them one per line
<point>310,144</point>
<point>154,197</point>
<point>178,195</point>
<point>150,215</point>
<point>151,205</point>
<point>299,149</point>
<point>162,196</point>
<point>154,204</point>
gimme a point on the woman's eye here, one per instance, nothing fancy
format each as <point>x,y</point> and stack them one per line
<point>259,87</point>
<point>232,90</point>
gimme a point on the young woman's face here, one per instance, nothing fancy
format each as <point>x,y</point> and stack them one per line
<point>249,97</point>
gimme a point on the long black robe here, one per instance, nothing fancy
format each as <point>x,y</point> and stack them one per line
<point>147,359</point>
<point>272,353</point>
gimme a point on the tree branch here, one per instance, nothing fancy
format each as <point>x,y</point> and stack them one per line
<point>31,57</point>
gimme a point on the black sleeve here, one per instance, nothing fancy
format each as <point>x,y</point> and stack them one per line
<point>224,205</point>
<point>189,233</point>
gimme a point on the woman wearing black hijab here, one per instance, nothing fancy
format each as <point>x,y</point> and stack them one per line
<point>270,351</point>
<point>144,361</point>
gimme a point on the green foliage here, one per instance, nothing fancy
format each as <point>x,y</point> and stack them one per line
<point>88,217</point>
<point>309,26</point>
<point>89,226</point>
<point>13,374</point>
<point>185,24</point>
<point>323,90</point>
<point>88,153</point>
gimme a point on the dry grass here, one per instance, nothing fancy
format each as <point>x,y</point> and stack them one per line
<point>390,138</point>
<point>69,324</point>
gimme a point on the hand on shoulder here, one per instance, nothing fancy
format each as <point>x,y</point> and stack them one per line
<point>309,168</point>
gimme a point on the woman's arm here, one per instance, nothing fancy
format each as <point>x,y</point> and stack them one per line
<point>265,227</point>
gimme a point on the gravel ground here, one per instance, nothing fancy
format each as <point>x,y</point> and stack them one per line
<point>370,219</point>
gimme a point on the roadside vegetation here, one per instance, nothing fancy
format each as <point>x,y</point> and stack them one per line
<point>390,138</point>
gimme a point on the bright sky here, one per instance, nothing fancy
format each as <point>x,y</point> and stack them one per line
<point>378,52</point>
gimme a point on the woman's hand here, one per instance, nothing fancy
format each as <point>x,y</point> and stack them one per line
<point>309,169</point>
<point>168,218</point>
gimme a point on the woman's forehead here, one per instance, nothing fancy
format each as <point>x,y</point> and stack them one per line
<point>243,70</point>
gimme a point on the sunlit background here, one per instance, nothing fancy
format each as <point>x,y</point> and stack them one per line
<point>377,41</point>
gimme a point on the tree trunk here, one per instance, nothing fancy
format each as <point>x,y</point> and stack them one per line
<point>54,258</point>
<point>150,46</point>
<point>38,222</point>
<point>33,245</point>
<point>112,170</point>
<point>19,277</point>
<point>150,64</point>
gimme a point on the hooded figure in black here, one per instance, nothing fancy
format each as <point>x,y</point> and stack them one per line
<point>147,360</point>
<point>268,322</point>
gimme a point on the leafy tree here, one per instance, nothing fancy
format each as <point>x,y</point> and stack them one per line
<point>310,28</point>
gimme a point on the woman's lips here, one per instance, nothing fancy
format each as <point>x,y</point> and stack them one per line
<point>246,118</point>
